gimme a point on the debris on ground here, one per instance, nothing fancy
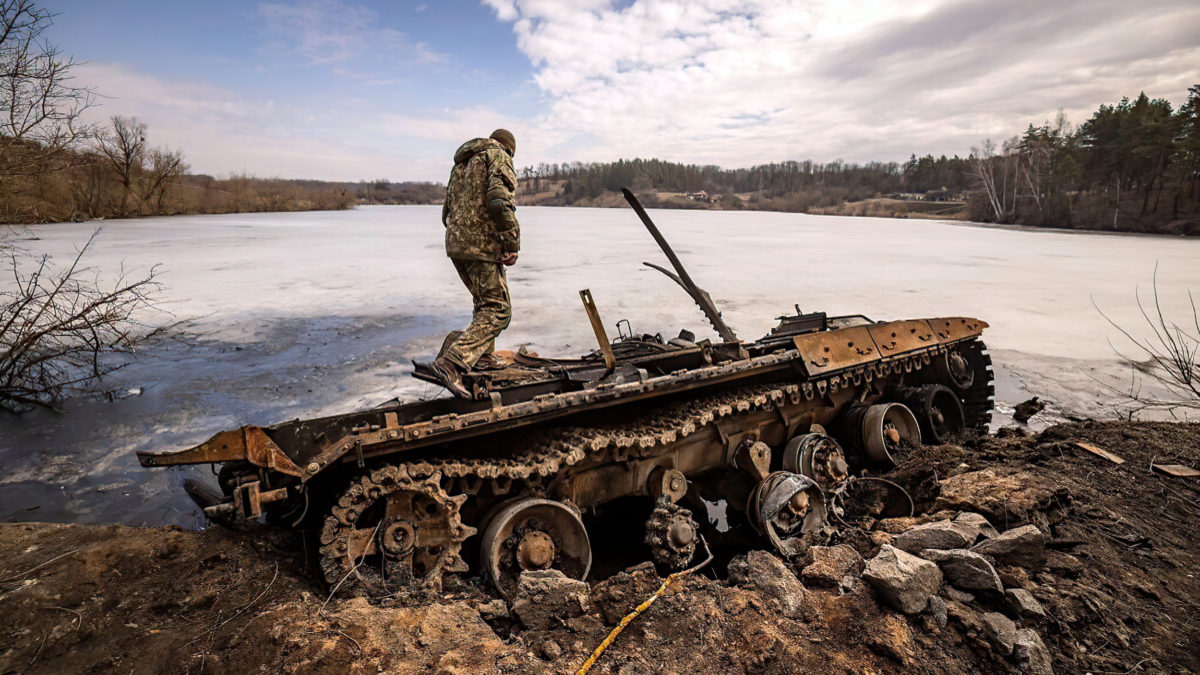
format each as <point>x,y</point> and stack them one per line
<point>1046,559</point>
<point>1028,409</point>
<point>1100,452</point>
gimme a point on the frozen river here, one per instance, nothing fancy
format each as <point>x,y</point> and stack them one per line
<point>297,314</point>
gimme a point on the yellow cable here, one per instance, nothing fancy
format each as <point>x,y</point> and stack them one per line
<point>587,665</point>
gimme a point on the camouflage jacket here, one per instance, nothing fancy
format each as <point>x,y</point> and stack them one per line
<point>479,212</point>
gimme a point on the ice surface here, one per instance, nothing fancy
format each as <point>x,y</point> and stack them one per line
<point>298,314</point>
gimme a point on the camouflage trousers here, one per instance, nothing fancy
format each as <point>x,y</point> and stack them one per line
<point>491,313</point>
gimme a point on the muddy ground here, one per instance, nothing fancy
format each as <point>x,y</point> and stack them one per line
<point>1118,588</point>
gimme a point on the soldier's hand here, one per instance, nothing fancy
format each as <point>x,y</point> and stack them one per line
<point>509,259</point>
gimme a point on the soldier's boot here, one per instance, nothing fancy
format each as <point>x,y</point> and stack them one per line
<point>450,377</point>
<point>490,362</point>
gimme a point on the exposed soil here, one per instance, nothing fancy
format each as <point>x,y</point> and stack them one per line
<point>1119,587</point>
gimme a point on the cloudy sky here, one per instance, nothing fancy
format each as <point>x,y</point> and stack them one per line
<point>340,89</point>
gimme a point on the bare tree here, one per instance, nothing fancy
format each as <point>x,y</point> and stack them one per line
<point>62,330</point>
<point>996,173</point>
<point>1170,358</point>
<point>162,172</point>
<point>40,108</point>
<point>123,142</point>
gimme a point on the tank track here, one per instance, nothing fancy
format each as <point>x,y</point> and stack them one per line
<point>340,535</point>
<point>549,452</point>
<point>978,398</point>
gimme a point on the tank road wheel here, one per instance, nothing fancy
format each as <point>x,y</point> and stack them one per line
<point>671,534</point>
<point>784,507</point>
<point>819,457</point>
<point>389,529</point>
<point>534,534</point>
<point>939,411</point>
<point>889,430</point>
<point>954,370</point>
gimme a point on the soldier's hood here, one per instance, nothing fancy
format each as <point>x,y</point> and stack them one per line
<point>475,146</point>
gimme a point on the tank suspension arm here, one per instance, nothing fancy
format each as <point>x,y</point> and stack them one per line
<point>683,279</point>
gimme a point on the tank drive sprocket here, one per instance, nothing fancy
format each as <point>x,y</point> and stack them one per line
<point>671,534</point>
<point>390,528</point>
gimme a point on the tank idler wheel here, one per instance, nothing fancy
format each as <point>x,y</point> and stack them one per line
<point>389,529</point>
<point>819,457</point>
<point>954,370</point>
<point>939,412</point>
<point>533,534</point>
<point>671,534</point>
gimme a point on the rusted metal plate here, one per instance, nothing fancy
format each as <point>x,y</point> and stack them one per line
<point>954,328</point>
<point>223,447</point>
<point>262,451</point>
<point>897,337</point>
<point>836,349</point>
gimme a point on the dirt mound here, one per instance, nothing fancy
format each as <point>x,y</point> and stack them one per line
<point>1096,562</point>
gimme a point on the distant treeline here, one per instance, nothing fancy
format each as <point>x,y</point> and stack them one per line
<point>1132,166</point>
<point>115,173</point>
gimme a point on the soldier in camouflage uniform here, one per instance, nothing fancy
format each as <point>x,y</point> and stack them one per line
<point>482,237</point>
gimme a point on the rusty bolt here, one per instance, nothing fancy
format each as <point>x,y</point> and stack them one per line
<point>799,502</point>
<point>313,467</point>
<point>535,551</point>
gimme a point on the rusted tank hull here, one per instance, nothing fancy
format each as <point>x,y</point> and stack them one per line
<point>408,488</point>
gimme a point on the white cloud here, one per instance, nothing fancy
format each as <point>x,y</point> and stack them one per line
<point>221,132</point>
<point>331,31</point>
<point>739,82</point>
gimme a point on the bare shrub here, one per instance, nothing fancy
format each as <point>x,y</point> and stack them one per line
<point>63,329</point>
<point>1169,358</point>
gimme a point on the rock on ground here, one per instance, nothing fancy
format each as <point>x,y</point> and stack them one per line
<point>937,610</point>
<point>1024,605</point>
<point>903,579</point>
<point>1002,495</point>
<point>830,565</point>
<point>545,597</point>
<point>1023,546</point>
<point>769,574</point>
<point>975,525</point>
<point>1001,632</point>
<point>1030,653</point>
<point>619,594</point>
<point>941,534</point>
<point>966,570</point>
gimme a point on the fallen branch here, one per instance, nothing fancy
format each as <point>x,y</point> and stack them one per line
<point>587,665</point>
<point>38,567</point>
<point>240,610</point>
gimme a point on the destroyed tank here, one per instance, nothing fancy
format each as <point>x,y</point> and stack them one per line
<point>777,427</point>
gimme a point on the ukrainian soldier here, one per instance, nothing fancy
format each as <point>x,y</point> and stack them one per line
<point>482,238</point>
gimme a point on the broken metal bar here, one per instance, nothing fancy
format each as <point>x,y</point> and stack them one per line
<point>610,360</point>
<point>683,279</point>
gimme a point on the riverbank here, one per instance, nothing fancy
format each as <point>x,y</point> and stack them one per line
<point>1116,589</point>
